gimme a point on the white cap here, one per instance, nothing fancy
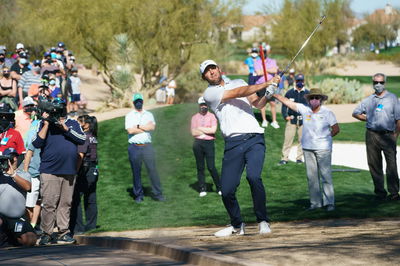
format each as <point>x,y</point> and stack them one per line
<point>28,101</point>
<point>205,64</point>
<point>19,46</point>
<point>201,100</point>
<point>292,70</point>
<point>268,47</point>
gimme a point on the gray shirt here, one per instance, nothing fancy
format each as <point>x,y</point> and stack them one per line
<point>12,196</point>
<point>382,111</point>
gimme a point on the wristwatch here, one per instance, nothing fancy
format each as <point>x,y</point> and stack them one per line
<point>138,126</point>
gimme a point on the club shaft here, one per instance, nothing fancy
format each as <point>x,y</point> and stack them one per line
<point>263,62</point>
<point>304,45</point>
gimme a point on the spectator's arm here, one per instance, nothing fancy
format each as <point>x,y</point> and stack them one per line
<point>335,130</point>
<point>150,126</point>
<point>284,110</point>
<point>208,130</point>
<point>397,132</point>
<point>13,91</point>
<point>361,117</point>
<point>196,132</point>
<point>75,133</point>
<point>27,161</point>
<point>134,130</point>
<point>15,76</point>
<point>23,183</point>
<point>79,161</point>
<point>286,101</point>
<point>40,139</point>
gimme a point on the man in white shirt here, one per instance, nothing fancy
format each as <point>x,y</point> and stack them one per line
<point>231,101</point>
<point>139,123</point>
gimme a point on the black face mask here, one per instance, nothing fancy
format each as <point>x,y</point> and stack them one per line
<point>2,59</point>
<point>203,110</point>
<point>138,105</point>
<point>6,75</point>
<point>4,125</point>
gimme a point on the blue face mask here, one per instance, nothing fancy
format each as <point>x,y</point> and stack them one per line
<point>52,82</point>
<point>23,61</point>
<point>138,105</point>
<point>299,84</point>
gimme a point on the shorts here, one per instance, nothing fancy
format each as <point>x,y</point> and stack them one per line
<point>14,228</point>
<point>32,197</point>
<point>170,92</point>
<point>75,98</point>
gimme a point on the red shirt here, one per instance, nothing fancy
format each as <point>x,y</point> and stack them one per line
<point>14,141</point>
<point>207,120</point>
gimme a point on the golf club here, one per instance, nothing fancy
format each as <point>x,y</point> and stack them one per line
<point>304,45</point>
<point>263,61</point>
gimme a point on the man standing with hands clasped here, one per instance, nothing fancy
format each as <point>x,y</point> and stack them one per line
<point>231,101</point>
<point>139,123</point>
<point>381,112</point>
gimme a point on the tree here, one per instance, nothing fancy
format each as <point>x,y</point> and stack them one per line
<point>160,34</point>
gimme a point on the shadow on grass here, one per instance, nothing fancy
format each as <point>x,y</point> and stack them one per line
<point>195,186</point>
<point>146,191</point>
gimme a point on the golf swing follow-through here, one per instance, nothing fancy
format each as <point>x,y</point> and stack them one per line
<point>232,101</point>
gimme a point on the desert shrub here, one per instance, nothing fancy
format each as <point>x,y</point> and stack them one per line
<point>341,91</point>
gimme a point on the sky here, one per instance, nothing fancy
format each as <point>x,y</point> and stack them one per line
<point>358,6</point>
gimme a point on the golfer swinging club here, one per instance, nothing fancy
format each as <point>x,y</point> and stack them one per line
<point>231,101</point>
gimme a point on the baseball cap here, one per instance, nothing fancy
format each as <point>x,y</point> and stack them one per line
<point>9,151</point>
<point>37,62</point>
<point>254,50</point>
<point>2,51</point>
<point>61,44</point>
<point>205,64</point>
<point>28,101</point>
<point>137,96</point>
<point>292,71</point>
<point>201,100</point>
<point>23,55</point>
<point>19,46</point>
<point>299,77</point>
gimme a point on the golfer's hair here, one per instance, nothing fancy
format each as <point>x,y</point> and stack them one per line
<point>379,75</point>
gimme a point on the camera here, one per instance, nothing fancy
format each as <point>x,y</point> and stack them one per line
<point>56,109</point>
<point>4,162</point>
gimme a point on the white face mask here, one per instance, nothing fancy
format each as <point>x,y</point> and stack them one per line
<point>254,55</point>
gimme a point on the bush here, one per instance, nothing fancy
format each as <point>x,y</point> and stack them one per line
<point>341,90</point>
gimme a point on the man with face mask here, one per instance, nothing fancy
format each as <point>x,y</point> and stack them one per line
<point>23,118</point>
<point>139,123</point>
<point>30,80</point>
<point>294,120</point>
<point>4,62</point>
<point>250,62</point>
<point>381,112</point>
<point>20,66</point>
<point>203,128</point>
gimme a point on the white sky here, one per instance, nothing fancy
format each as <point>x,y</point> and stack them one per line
<point>358,6</point>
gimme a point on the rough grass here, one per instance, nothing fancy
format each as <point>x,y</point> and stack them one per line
<point>287,195</point>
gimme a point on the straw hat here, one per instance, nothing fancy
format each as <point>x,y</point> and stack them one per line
<point>316,92</point>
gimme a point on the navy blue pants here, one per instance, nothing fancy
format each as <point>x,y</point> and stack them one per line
<point>137,155</point>
<point>245,150</point>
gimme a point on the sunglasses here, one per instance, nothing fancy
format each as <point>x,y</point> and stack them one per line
<point>6,71</point>
<point>378,82</point>
<point>314,97</point>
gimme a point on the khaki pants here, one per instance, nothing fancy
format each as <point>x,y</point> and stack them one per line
<point>290,132</point>
<point>56,194</point>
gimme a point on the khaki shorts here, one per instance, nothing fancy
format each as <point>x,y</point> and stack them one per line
<point>32,197</point>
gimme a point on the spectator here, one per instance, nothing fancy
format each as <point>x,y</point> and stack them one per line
<point>8,89</point>
<point>23,118</point>
<point>57,138</point>
<point>139,123</point>
<point>4,61</point>
<point>319,126</point>
<point>31,165</point>
<point>290,78</point>
<point>271,68</point>
<point>20,66</point>
<point>294,120</point>
<point>203,128</point>
<point>86,181</point>
<point>10,138</point>
<point>14,225</point>
<point>170,89</point>
<point>250,62</point>
<point>30,81</point>
<point>381,112</point>
<point>74,83</point>
<point>55,91</point>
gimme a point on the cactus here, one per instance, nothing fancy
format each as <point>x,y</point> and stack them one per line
<point>341,91</point>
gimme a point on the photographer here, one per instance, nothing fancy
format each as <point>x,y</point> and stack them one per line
<point>14,226</point>
<point>58,138</point>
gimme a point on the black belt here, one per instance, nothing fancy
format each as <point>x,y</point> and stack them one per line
<point>381,131</point>
<point>242,137</point>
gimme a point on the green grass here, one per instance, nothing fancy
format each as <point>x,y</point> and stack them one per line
<point>390,51</point>
<point>287,195</point>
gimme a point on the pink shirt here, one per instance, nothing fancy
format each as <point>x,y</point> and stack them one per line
<point>269,63</point>
<point>207,120</point>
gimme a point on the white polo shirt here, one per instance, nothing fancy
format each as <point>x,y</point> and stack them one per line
<point>134,118</point>
<point>316,127</point>
<point>235,115</point>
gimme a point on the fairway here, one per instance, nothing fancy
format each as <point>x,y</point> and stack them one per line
<point>286,186</point>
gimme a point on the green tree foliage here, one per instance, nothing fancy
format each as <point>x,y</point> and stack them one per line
<point>159,35</point>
